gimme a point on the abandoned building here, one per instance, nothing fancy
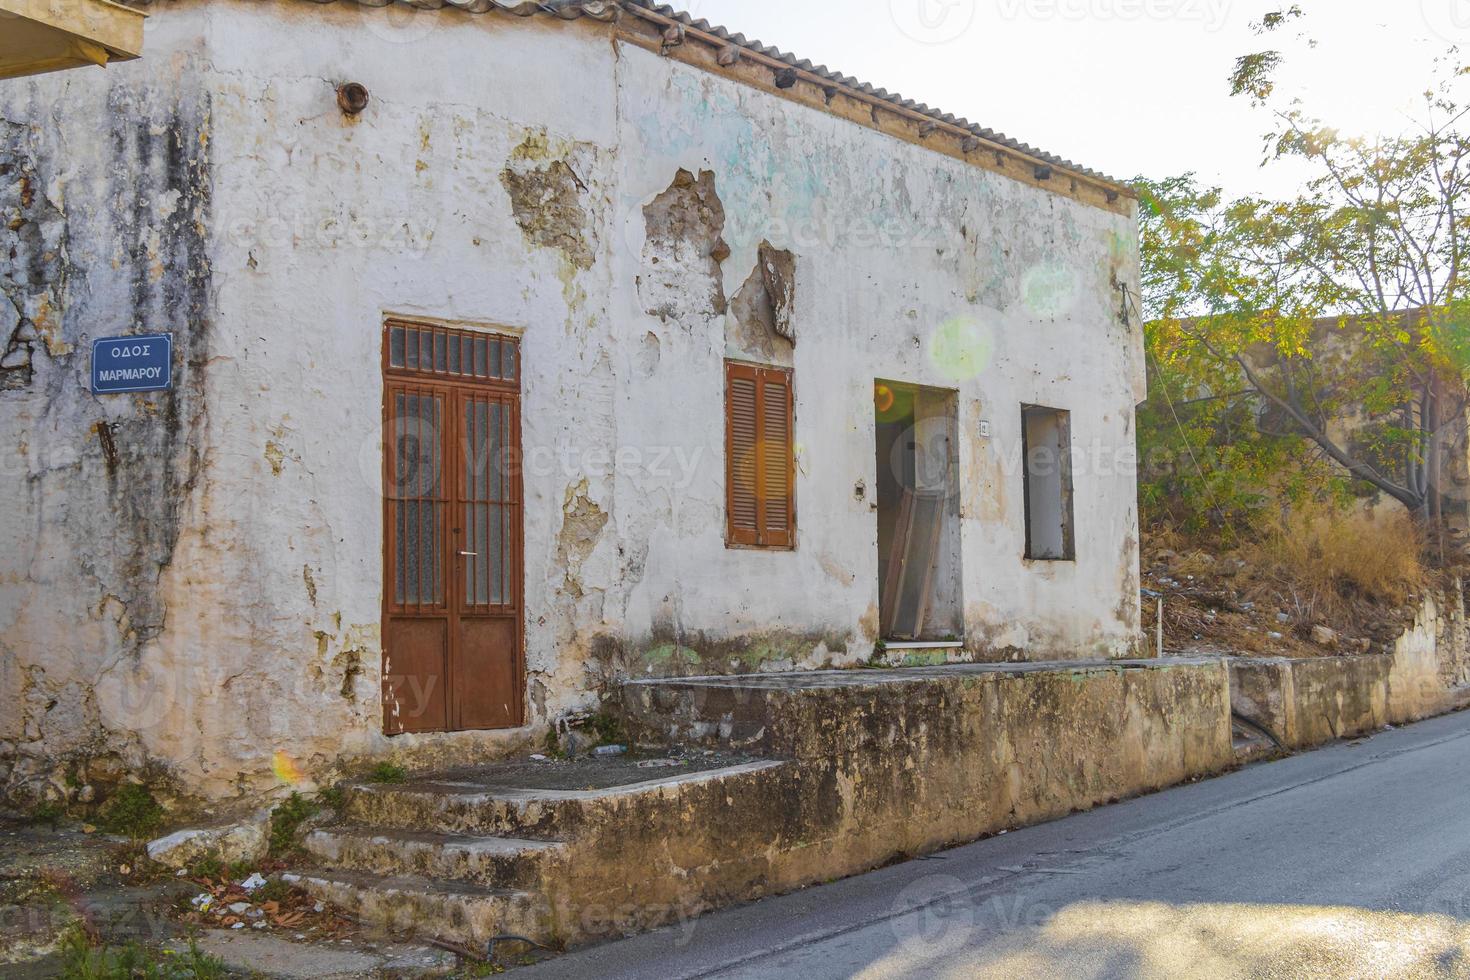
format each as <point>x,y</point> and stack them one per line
<point>596,345</point>
<point>478,359</point>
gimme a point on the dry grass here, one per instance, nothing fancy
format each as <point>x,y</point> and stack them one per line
<point>1326,559</point>
<point>1360,575</point>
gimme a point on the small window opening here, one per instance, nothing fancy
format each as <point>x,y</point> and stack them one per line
<point>1047,444</point>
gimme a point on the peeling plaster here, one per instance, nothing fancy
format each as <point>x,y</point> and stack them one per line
<point>683,250</point>
<point>582,526</point>
<point>759,324</point>
<point>546,196</point>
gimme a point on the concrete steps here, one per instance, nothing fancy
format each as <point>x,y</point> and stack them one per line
<point>462,808</point>
<point>408,905</point>
<point>465,857</point>
<point>501,861</point>
<point>486,808</point>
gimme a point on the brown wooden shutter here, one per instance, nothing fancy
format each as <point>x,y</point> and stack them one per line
<point>759,470</point>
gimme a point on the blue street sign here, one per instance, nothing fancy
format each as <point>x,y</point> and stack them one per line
<point>141,363</point>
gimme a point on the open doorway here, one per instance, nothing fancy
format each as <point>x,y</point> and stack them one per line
<point>920,598</point>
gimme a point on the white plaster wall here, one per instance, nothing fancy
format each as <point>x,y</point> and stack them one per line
<point>1023,279</point>
<point>269,662</point>
<point>415,186</point>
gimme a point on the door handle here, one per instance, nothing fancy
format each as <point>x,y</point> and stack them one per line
<point>470,554</point>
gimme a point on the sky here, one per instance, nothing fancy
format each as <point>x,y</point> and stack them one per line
<point>1126,87</point>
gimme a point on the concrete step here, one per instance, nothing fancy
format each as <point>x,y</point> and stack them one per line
<point>471,806</point>
<point>407,905</point>
<point>498,861</point>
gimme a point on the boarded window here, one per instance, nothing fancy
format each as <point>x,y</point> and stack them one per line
<point>760,494</point>
<point>1047,443</point>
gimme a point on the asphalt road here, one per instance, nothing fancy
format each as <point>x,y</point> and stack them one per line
<point>1351,861</point>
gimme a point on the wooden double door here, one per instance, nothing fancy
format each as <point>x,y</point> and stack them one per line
<point>453,632</point>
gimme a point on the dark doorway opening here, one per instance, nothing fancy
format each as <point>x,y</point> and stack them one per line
<point>920,596</point>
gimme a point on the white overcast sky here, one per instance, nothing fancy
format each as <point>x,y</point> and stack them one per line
<point>1123,86</point>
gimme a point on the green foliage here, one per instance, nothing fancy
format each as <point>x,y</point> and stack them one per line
<point>1271,322</point>
<point>387,772</point>
<point>1276,18</point>
<point>48,812</point>
<point>606,729</point>
<point>332,798</point>
<point>1253,75</point>
<point>552,745</point>
<point>210,866</point>
<point>132,811</point>
<point>274,890</point>
<point>83,961</point>
<point>286,821</point>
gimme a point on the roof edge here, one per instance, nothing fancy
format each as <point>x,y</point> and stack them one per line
<point>668,32</point>
<point>727,54</point>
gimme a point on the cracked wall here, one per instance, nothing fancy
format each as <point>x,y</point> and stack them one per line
<point>101,485</point>
<point>759,326</point>
<point>545,194</point>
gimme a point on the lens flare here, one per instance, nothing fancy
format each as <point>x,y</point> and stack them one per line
<point>286,770</point>
<point>961,348</point>
<point>883,397</point>
<point>1048,289</point>
<point>891,403</point>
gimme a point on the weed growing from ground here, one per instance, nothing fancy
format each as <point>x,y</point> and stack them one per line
<point>286,821</point>
<point>81,960</point>
<point>387,772</point>
<point>132,811</point>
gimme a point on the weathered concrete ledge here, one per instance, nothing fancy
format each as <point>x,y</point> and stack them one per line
<point>891,763</point>
<point>1309,701</point>
<point>861,768</point>
<point>855,769</point>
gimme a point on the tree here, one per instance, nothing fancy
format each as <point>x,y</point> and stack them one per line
<point>1348,300</point>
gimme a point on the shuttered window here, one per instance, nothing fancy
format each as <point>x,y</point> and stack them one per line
<point>760,492</point>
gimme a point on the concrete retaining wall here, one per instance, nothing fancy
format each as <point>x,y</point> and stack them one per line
<point>1307,702</point>
<point>889,763</point>
<point>903,762</point>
